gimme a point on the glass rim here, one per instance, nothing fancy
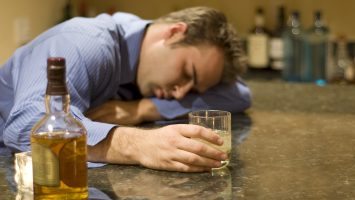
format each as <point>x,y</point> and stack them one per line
<point>220,113</point>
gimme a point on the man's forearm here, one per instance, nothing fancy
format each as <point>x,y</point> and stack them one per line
<point>125,112</point>
<point>168,148</point>
<point>117,147</point>
<point>147,111</point>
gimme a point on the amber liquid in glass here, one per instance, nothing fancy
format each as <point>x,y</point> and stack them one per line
<point>61,171</point>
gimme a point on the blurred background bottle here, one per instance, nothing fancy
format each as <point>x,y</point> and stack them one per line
<point>83,9</point>
<point>257,43</point>
<point>276,51</point>
<point>293,49</point>
<point>315,52</point>
<point>344,69</point>
<point>67,11</point>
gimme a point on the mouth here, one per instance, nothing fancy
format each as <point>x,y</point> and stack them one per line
<point>159,93</point>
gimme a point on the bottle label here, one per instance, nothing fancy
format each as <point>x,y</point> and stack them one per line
<point>45,166</point>
<point>276,53</point>
<point>276,48</point>
<point>258,51</point>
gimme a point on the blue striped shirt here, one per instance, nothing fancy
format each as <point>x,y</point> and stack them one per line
<point>102,58</point>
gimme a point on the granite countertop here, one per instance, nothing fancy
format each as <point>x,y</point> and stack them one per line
<point>296,142</point>
<point>301,143</point>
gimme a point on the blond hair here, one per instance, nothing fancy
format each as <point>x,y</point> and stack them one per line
<point>209,26</point>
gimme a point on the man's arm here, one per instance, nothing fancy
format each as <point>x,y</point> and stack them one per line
<point>168,148</point>
<point>125,112</point>
<point>230,97</point>
<point>233,98</point>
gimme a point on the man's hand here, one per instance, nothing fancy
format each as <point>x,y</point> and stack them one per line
<point>124,112</point>
<point>168,148</point>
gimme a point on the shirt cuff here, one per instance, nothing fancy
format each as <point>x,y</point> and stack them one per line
<point>96,131</point>
<point>170,109</point>
<point>95,165</point>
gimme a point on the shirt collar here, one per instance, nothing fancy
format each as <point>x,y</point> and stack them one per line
<point>132,32</point>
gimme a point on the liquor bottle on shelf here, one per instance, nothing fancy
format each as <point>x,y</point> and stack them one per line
<point>83,9</point>
<point>344,71</point>
<point>58,143</point>
<point>276,51</point>
<point>67,11</point>
<point>350,72</point>
<point>257,43</point>
<point>293,49</point>
<point>315,52</point>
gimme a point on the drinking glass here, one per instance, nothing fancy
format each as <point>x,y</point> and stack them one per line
<point>23,172</point>
<point>220,122</point>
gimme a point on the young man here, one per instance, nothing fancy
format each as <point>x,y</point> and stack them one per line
<point>122,70</point>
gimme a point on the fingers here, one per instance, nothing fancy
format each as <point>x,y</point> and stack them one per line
<point>190,142</point>
<point>186,162</point>
<point>190,158</point>
<point>195,131</point>
<point>201,149</point>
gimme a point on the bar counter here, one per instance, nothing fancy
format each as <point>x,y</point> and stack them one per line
<point>296,142</point>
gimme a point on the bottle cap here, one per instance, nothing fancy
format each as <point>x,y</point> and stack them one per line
<point>56,61</point>
<point>56,76</point>
<point>260,10</point>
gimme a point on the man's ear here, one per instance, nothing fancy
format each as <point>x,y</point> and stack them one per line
<point>175,32</point>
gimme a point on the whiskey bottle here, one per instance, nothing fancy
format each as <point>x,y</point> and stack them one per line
<point>58,143</point>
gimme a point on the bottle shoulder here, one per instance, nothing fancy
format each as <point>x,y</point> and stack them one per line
<point>58,121</point>
<point>321,30</point>
<point>259,30</point>
<point>317,34</point>
<point>293,32</point>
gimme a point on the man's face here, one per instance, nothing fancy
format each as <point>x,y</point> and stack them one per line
<point>171,72</point>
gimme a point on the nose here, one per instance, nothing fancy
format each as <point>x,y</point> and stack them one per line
<point>180,91</point>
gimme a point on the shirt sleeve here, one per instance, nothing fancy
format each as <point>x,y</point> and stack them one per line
<point>233,98</point>
<point>86,75</point>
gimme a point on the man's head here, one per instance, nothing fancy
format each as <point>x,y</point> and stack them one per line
<point>191,49</point>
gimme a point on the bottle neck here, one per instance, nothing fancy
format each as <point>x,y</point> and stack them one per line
<point>259,20</point>
<point>57,103</point>
<point>295,22</point>
<point>318,22</point>
<point>281,18</point>
<point>342,52</point>
<point>281,23</point>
